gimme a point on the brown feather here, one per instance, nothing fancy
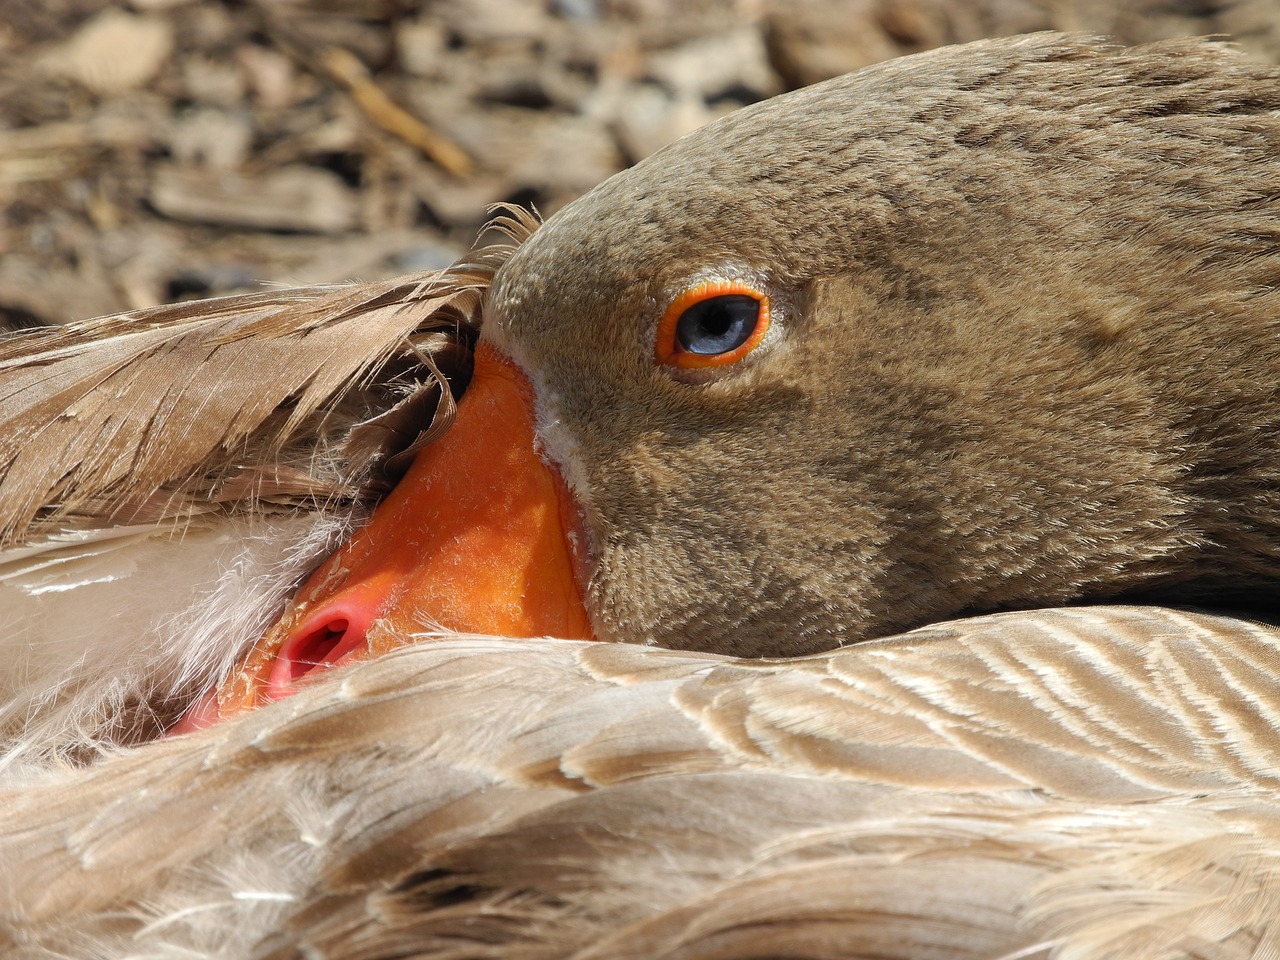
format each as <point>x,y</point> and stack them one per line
<point>162,412</point>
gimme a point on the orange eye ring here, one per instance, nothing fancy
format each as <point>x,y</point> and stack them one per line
<point>724,302</point>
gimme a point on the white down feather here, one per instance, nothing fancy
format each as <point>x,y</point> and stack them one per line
<point>101,630</point>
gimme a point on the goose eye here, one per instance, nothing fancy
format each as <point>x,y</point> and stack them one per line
<point>711,325</point>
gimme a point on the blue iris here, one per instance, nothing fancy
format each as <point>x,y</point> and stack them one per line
<point>718,324</point>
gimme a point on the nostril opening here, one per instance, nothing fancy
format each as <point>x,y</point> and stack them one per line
<point>318,645</point>
<point>315,649</point>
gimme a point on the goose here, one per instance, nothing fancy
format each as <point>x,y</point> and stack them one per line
<point>866,450</point>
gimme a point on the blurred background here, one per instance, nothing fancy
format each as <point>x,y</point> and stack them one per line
<point>160,150</point>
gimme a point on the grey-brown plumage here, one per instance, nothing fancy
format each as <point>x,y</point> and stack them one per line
<point>1029,350</point>
<point>1025,354</point>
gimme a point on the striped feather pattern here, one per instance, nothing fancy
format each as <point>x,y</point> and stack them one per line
<point>1078,783</point>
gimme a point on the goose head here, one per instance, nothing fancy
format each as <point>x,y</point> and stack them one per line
<point>983,329</point>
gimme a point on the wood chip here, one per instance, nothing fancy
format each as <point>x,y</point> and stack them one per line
<point>114,52</point>
<point>295,198</point>
<point>344,67</point>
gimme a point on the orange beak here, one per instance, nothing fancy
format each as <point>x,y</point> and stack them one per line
<point>476,538</point>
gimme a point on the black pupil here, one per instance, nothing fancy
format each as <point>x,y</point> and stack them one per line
<point>718,324</point>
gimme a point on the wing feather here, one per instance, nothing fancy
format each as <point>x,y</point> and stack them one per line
<point>153,414</point>
<point>488,798</point>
